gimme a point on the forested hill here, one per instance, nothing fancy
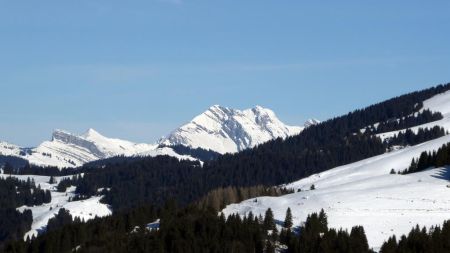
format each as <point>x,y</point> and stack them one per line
<point>332,143</point>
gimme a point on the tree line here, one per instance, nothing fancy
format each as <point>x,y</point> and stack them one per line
<point>409,137</point>
<point>439,158</point>
<point>192,229</point>
<point>419,240</point>
<point>415,119</point>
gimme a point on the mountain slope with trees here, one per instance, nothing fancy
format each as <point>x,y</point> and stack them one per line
<point>318,148</point>
<point>128,183</point>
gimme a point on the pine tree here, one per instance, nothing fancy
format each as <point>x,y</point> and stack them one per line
<point>52,180</point>
<point>358,240</point>
<point>390,246</point>
<point>269,221</point>
<point>288,219</point>
<point>413,166</point>
<point>323,220</point>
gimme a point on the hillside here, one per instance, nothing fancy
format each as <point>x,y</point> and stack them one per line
<point>365,193</point>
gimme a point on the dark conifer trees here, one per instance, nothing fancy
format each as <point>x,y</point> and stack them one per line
<point>412,120</point>
<point>437,239</point>
<point>409,138</point>
<point>269,221</point>
<point>358,240</point>
<point>288,219</point>
<point>52,180</point>
<point>188,230</point>
<point>439,158</point>
<point>15,193</point>
<point>62,218</point>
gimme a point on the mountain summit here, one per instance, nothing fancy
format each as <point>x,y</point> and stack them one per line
<point>220,129</point>
<point>226,130</point>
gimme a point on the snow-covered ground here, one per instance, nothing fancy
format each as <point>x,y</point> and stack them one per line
<point>364,193</point>
<point>439,103</point>
<point>84,209</point>
<point>8,149</point>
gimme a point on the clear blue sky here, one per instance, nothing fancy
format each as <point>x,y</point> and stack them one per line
<point>138,69</point>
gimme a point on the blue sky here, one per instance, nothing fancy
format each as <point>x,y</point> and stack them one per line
<point>138,69</point>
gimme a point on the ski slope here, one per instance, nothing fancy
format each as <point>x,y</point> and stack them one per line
<point>84,209</point>
<point>364,193</point>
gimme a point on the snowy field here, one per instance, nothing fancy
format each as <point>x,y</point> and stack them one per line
<point>85,209</point>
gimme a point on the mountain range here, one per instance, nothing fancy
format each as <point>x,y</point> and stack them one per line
<point>356,167</point>
<point>219,129</point>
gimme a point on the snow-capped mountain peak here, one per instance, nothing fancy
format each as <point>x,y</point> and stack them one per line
<point>311,122</point>
<point>227,130</point>
<point>219,128</point>
<point>92,133</point>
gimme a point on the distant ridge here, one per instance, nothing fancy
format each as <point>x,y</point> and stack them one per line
<point>219,129</point>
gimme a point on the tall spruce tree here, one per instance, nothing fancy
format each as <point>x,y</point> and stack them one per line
<point>269,221</point>
<point>288,219</point>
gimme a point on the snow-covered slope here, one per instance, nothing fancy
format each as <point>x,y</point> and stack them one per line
<point>8,149</point>
<point>84,209</point>
<point>439,103</point>
<point>364,193</point>
<point>71,150</point>
<point>227,130</point>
